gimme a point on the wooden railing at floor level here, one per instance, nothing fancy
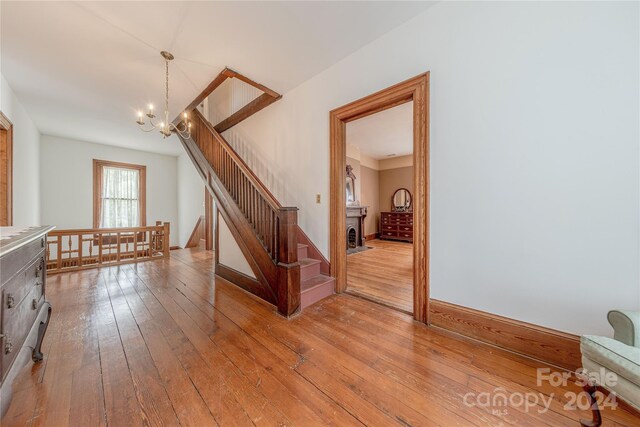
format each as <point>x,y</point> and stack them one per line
<point>69,250</point>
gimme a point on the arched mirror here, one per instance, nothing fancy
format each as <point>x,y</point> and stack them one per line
<point>401,200</point>
<point>351,186</point>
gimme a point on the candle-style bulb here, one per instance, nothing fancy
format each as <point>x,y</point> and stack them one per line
<point>150,107</point>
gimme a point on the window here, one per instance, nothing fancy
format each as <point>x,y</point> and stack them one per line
<point>119,194</point>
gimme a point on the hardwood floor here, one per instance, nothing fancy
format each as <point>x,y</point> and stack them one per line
<point>164,343</point>
<point>383,274</point>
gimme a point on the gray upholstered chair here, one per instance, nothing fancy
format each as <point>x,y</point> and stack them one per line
<point>619,355</point>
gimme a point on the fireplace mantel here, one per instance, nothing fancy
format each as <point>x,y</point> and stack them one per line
<point>355,222</point>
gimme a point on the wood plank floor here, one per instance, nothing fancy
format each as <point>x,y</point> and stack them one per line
<point>383,274</point>
<point>166,343</point>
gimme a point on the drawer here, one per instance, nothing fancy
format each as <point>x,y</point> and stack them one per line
<point>16,324</point>
<point>17,288</point>
<point>388,227</point>
<point>390,234</point>
<point>408,228</point>
<point>14,261</point>
<point>409,235</point>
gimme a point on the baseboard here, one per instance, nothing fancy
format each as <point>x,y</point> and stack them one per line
<point>372,236</point>
<point>544,344</point>
<point>173,248</point>
<point>243,281</point>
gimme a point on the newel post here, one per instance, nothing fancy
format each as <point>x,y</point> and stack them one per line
<point>288,266</point>
<point>166,239</point>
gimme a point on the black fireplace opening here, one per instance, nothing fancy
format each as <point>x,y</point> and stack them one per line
<point>352,241</point>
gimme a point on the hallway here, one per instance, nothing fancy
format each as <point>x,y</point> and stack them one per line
<point>162,342</point>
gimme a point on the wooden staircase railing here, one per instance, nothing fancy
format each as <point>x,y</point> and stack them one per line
<point>265,231</point>
<point>79,249</point>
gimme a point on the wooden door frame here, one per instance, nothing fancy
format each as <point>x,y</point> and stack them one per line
<point>7,126</point>
<point>417,90</point>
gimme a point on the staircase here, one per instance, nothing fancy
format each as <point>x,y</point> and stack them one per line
<point>290,271</point>
<point>314,285</point>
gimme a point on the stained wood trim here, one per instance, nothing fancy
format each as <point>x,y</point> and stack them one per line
<point>620,401</point>
<point>245,112</point>
<point>246,170</point>
<point>372,236</point>
<point>6,180</point>
<point>232,73</point>
<point>255,259</point>
<point>417,90</point>
<point>241,280</point>
<point>98,166</point>
<point>544,344</point>
<point>217,81</point>
<point>268,97</point>
<point>208,220</point>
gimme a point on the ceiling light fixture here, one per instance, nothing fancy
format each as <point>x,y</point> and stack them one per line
<point>165,127</point>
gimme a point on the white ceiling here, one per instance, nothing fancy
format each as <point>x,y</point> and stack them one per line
<point>82,69</point>
<point>387,132</point>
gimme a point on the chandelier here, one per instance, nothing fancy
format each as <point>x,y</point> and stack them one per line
<point>165,127</point>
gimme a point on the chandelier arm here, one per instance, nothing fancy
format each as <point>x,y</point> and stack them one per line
<point>183,132</point>
<point>147,130</point>
<point>176,127</point>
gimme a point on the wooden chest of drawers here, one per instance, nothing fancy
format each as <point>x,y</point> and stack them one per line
<point>24,314</point>
<point>396,226</point>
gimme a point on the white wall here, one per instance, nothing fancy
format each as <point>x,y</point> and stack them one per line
<point>26,155</point>
<point>229,253</point>
<point>190,198</point>
<point>534,152</point>
<point>67,182</point>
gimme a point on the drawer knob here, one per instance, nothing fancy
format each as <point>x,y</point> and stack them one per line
<point>8,346</point>
<point>11,302</point>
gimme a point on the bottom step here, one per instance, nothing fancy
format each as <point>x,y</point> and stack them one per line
<point>314,289</point>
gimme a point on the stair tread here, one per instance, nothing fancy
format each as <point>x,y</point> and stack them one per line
<point>302,245</point>
<point>305,262</point>
<point>315,281</point>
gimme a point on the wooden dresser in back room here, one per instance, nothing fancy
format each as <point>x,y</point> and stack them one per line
<point>396,226</point>
<point>25,312</point>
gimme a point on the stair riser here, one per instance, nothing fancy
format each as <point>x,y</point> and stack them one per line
<point>316,294</point>
<point>303,253</point>
<point>309,271</point>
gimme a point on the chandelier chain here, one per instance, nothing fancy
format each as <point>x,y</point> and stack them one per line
<point>183,127</point>
<point>166,86</point>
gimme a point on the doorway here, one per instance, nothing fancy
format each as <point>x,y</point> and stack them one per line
<point>380,187</point>
<point>416,90</point>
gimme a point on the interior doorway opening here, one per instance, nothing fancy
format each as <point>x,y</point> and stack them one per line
<point>379,188</point>
<point>416,92</point>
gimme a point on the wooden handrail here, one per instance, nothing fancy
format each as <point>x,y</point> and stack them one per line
<point>255,181</point>
<point>83,248</point>
<point>266,232</point>
<point>251,196</point>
